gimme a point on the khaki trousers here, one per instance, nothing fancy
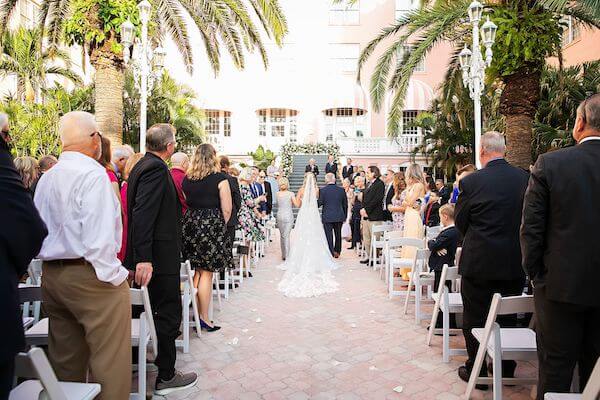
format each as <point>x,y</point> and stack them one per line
<point>89,328</point>
<point>366,233</point>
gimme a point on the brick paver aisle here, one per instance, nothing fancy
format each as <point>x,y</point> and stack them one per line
<point>349,345</point>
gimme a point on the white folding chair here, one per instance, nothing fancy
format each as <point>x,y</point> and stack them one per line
<point>34,364</point>
<point>37,332</point>
<point>377,243</point>
<point>503,344</point>
<point>590,392</point>
<point>448,303</point>
<point>34,271</point>
<point>143,333</point>
<point>383,272</point>
<point>396,262</point>
<point>187,301</point>
<point>419,277</point>
<point>431,232</point>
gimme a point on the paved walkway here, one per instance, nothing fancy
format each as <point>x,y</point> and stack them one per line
<point>354,344</point>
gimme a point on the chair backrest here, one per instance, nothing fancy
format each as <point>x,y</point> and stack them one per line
<point>30,293</point>
<point>508,305</point>
<point>35,271</point>
<point>457,256</point>
<point>377,230</point>
<point>421,259</point>
<point>592,388</point>
<point>407,241</point>
<point>139,297</point>
<point>34,364</point>
<point>448,274</point>
<point>393,234</point>
<point>432,231</point>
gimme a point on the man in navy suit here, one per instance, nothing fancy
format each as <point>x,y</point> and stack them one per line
<point>335,210</point>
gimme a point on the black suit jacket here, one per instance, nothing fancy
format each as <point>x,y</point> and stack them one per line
<point>269,194</point>
<point>334,202</point>
<point>236,199</point>
<point>373,200</point>
<point>22,233</point>
<point>445,194</point>
<point>448,239</point>
<point>331,168</point>
<point>488,215</point>
<point>387,216</point>
<point>314,171</point>
<point>561,216</point>
<point>348,172</point>
<point>154,212</point>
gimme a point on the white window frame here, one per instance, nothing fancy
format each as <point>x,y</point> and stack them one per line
<point>572,32</point>
<point>218,123</point>
<point>403,7</point>
<point>344,57</point>
<point>344,14</point>
<point>413,134</point>
<point>267,122</point>
<point>337,118</point>
<point>420,67</point>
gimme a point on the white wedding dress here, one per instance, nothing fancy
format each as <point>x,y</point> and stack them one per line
<point>309,264</point>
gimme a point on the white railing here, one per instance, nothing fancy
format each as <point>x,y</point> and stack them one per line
<point>379,146</point>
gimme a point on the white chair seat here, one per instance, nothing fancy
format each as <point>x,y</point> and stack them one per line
<point>28,322</point>
<point>562,396</point>
<point>75,391</point>
<point>455,305</point>
<point>401,262</point>
<point>517,343</point>
<point>37,335</point>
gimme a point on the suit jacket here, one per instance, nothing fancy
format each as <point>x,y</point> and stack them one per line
<point>22,233</point>
<point>488,215</point>
<point>348,172</point>
<point>387,216</point>
<point>432,216</point>
<point>559,233</point>
<point>331,168</point>
<point>269,193</point>
<point>314,169</point>
<point>445,194</point>
<point>448,239</point>
<point>373,200</point>
<point>236,199</point>
<point>334,202</point>
<point>154,212</point>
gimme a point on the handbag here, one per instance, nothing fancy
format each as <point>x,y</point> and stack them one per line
<point>346,231</point>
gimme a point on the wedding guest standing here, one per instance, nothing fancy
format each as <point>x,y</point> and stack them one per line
<point>559,237</point>
<point>27,167</point>
<point>272,169</point>
<point>119,157</point>
<point>355,218</point>
<point>397,208</point>
<point>236,199</point>
<point>443,191</point>
<point>334,203</point>
<point>44,164</point>
<point>348,170</point>
<point>205,241</point>
<point>488,215</point>
<point>179,166</point>
<point>312,167</point>
<point>84,289</point>
<point>249,215</point>
<point>388,179</point>
<point>461,173</point>
<point>331,166</point>
<point>105,158</point>
<point>154,249</point>
<point>21,235</point>
<point>265,189</point>
<point>286,200</point>
<point>372,211</point>
<point>131,161</point>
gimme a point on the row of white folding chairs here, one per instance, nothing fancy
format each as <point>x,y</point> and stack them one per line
<point>143,335</point>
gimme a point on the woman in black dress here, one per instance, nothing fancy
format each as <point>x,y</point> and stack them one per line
<point>208,198</point>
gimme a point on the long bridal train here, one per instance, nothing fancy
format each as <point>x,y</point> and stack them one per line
<point>309,264</point>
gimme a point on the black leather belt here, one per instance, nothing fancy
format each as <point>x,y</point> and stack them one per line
<point>70,261</point>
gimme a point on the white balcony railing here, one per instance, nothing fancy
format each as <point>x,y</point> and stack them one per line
<point>404,144</point>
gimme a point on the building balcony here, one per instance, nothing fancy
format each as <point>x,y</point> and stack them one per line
<point>403,145</point>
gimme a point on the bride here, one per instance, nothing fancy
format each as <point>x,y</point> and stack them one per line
<point>309,264</point>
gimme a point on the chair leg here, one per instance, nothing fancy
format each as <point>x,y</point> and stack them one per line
<point>142,369</point>
<point>410,283</point>
<point>226,280</point>
<point>186,321</point>
<point>446,338</point>
<point>497,362</point>
<point>390,281</point>
<point>436,310</point>
<point>479,359</point>
<point>418,290</point>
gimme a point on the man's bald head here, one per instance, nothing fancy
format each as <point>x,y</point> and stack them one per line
<point>79,132</point>
<point>180,160</point>
<point>588,118</point>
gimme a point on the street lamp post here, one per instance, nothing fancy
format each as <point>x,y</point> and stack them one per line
<point>473,65</point>
<point>143,61</point>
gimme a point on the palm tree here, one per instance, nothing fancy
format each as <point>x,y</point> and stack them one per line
<point>22,58</point>
<point>96,25</point>
<point>528,33</point>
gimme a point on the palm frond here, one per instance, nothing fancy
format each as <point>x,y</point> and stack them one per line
<point>64,72</point>
<point>245,23</point>
<point>7,7</point>
<point>172,18</point>
<point>55,19</point>
<point>272,18</point>
<point>583,15</point>
<point>560,6</point>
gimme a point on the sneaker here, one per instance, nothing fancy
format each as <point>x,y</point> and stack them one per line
<point>179,381</point>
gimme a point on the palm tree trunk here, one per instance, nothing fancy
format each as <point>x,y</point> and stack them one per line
<point>518,105</point>
<point>109,81</point>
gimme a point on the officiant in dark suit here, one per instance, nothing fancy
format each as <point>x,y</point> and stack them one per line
<point>348,170</point>
<point>488,215</point>
<point>559,236</point>
<point>331,166</point>
<point>335,210</point>
<point>312,167</point>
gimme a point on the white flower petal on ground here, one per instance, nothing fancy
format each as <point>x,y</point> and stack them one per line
<point>258,320</point>
<point>398,389</point>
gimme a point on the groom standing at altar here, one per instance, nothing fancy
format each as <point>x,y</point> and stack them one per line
<point>335,209</point>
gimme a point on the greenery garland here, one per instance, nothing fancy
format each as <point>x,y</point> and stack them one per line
<point>289,149</point>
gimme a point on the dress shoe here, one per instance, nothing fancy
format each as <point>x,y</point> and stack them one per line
<point>365,261</point>
<point>205,327</point>
<point>465,374</point>
<point>351,248</point>
<point>336,254</point>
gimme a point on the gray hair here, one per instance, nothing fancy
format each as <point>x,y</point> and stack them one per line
<point>121,152</point>
<point>3,120</point>
<point>246,174</point>
<point>589,110</point>
<point>329,177</point>
<point>179,158</point>
<point>493,142</point>
<point>159,136</point>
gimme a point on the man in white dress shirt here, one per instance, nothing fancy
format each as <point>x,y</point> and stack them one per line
<point>84,289</point>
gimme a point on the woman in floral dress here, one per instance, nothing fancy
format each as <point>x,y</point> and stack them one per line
<point>396,207</point>
<point>247,215</point>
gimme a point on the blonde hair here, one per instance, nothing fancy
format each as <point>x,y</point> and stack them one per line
<point>246,174</point>
<point>283,182</point>
<point>414,173</point>
<point>204,162</point>
<point>448,211</point>
<point>233,171</point>
<point>131,161</point>
<point>28,169</point>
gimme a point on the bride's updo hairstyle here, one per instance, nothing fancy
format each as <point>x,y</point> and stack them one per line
<point>204,162</point>
<point>414,174</point>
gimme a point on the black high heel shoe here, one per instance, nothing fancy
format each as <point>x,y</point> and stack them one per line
<point>205,327</point>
